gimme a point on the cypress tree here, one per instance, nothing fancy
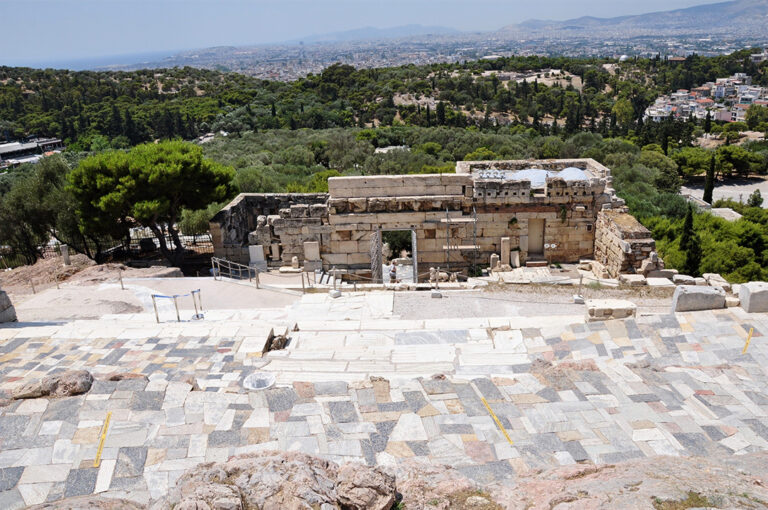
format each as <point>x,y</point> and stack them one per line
<point>691,245</point>
<point>709,182</point>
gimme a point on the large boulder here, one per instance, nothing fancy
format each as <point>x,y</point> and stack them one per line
<point>689,298</point>
<point>754,297</point>
<point>62,384</point>
<point>7,312</point>
<point>281,481</point>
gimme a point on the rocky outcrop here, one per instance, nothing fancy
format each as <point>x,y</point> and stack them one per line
<point>653,482</point>
<point>7,312</point>
<point>62,384</point>
<point>89,503</point>
<point>281,481</point>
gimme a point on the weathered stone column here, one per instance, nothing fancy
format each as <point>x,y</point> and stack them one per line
<point>7,312</point>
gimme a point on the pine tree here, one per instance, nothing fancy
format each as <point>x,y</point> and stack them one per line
<point>708,123</point>
<point>709,182</point>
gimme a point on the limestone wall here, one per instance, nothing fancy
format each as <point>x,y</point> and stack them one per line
<point>621,242</point>
<point>469,211</point>
<point>7,312</point>
<point>232,226</point>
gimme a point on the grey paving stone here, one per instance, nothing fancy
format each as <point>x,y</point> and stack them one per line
<point>549,394</point>
<point>224,438</point>
<point>147,400</point>
<point>130,461</point>
<point>548,442</point>
<point>488,390</point>
<point>622,456</point>
<point>128,483</point>
<point>9,477</point>
<point>576,450</point>
<point>415,400</point>
<point>388,407</point>
<point>714,433</point>
<point>369,454</point>
<point>760,428</point>
<point>472,404</point>
<point>694,442</point>
<point>436,386</point>
<point>644,397</point>
<point>489,472</point>
<point>380,438</point>
<point>80,482</point>
<point>419,448</point>
<point>11,499</point>
<point>331,388</point>
<point>133,384</point>
<point>280,399</point>
<point>456,428</point>
<point>342,412</point>
<point>11,429</point>
<point>100,387</point>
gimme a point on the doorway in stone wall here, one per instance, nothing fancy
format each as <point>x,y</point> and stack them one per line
<point>535,238</point>
<point>399,250</point>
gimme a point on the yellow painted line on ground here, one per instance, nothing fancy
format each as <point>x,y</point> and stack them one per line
<point>749,339</point>
<point>104,428</point>
<point>498,422</point>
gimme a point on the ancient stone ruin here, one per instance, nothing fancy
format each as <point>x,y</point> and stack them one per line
<point>525,212</point>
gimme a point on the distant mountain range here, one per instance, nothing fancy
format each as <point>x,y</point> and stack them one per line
<point>740,16</point>
<point>372,33</point>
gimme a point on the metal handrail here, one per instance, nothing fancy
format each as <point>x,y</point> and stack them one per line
<point>217,264</point>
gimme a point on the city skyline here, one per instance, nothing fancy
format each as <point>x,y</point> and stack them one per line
<point>88,29</point>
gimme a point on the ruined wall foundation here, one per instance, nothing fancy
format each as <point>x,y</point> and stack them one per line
<point>551,210</point>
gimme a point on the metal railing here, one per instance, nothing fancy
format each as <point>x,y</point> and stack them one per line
<point>227,268</point>
<point>197,303</point>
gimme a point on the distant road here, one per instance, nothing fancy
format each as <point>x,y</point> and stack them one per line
<point>735,189</point>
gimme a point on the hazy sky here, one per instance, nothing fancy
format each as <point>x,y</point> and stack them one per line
<point>46,31</point>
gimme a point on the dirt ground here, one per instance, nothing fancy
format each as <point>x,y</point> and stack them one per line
<point>48,273</point>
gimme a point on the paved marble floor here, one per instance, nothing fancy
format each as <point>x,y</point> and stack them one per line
<point>355,384</point>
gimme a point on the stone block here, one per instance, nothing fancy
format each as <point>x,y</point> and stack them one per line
<point>689,298</point>
<point>505,250</point>
<point>732,301</point>
<point>659,282</point>
<point>311,250</point>
<point>662,273</point>
<point>754,297</point>
<point>334,293</point>
<point>700,281</point>
<point>683,279</point>
<point>715,280</point>
<point>607,309</point>
<point>633,280</point>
